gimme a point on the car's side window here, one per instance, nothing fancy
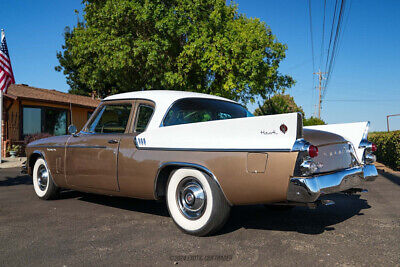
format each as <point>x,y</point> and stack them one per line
<point>143,117</point>
<point>111,119</point>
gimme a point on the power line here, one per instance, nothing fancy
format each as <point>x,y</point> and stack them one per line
<point>312,46</point>
<point>323,36</point>
<point>331,35</point>
<point>335,44</point>
<point>311,32</point>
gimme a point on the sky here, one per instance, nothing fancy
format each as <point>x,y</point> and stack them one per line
<point>364,85</point>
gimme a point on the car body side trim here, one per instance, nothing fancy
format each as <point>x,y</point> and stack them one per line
<point>214,149</point>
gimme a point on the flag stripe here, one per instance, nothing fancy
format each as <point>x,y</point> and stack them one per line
<point>6,73</point>
<point>5,70</point>
<point>4,61</point>
<point>4,57</point>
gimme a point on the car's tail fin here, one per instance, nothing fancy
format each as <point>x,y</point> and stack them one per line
<point>262,133</point>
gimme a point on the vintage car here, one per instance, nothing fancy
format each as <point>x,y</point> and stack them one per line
<point>202,154</point>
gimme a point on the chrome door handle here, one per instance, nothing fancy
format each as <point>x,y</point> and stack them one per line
<point>113,141</point>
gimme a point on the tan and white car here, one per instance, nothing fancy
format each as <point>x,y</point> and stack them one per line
<point>203,154</point>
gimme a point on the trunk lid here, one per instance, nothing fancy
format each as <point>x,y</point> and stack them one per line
<point>334,151</point>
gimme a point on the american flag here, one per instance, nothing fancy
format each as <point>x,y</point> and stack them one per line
<point>6,73</point>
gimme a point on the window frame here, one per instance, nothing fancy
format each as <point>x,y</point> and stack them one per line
<point>85,129</point>
<point>43,118</point>
<point>202,98</point>
<point>137,109</point>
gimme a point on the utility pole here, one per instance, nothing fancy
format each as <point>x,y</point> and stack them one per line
<point>320,78</point>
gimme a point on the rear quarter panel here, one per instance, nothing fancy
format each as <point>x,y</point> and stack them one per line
<point>138,169</point>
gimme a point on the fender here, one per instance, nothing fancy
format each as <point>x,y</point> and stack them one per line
<point>43,155</point>
<point>186,164</point>
<point>356,133</point>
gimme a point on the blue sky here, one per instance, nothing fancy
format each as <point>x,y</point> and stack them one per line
<point>366,74</point>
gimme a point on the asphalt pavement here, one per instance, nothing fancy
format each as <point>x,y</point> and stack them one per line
<point>81,229</point>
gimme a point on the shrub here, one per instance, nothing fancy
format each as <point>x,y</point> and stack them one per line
<point>388,144</point>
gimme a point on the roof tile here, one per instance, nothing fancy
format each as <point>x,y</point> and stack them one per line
<point>29,92</point>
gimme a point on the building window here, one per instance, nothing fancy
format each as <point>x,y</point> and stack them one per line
<point>32,121</point>
<point>44,120</point>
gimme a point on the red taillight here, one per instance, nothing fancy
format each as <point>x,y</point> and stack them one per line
<point>312,151</point>
<point>373,147</point>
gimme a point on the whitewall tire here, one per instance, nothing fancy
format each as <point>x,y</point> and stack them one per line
<point>42,181</point>
<point>195,202</point>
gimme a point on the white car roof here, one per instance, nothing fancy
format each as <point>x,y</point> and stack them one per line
<point>163,99</point>
<point>158,96</point>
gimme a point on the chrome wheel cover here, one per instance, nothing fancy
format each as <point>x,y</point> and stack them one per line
<point>191,198</point>
<point>42,177</point>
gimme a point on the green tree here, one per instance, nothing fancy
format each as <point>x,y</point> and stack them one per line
<point>313,121</point>
<point>279,104</point>
<point>192,45</point>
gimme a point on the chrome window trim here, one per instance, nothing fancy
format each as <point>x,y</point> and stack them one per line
<point>173,103</point>
<point>137,114</point>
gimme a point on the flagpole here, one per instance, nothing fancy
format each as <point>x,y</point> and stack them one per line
<point>1,126</point>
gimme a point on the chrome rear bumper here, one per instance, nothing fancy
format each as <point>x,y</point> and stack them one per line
<point>302,189</point>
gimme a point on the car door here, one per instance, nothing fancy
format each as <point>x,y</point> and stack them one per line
<point>132,168</point>
<point>91,155</point>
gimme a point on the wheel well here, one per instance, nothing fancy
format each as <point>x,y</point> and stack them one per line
<point>162,179</point>
<point>165,172</point>
<point>32,159</point>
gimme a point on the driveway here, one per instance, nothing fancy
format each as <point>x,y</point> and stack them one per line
<point>86,229</point>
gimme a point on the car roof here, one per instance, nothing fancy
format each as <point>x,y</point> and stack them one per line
<point>163,99</point>
<point>162,96</point>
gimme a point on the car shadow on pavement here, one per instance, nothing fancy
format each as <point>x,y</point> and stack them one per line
<point>299,219</point>
<point>130,204</point>
<point>19,180</point>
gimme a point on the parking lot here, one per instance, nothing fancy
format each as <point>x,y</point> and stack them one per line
<point>86,229</point>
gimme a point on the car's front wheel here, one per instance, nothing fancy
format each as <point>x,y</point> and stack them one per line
<point>195,202</point>
<point>43,183</point>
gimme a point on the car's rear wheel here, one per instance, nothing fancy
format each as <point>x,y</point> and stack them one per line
<point>43,183</point>
<point>195,202</point>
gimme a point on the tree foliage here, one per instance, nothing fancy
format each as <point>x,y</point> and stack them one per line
<point>313,121</point>
<point>279,104</point>
<point>192,45</point>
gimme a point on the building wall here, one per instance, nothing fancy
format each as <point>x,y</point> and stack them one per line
<point>13,124</point>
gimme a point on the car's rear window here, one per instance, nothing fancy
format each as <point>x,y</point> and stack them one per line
<point>192,110</point>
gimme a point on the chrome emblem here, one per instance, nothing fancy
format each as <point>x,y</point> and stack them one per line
<point>283,128</point>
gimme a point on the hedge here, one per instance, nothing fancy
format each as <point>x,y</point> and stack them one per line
<point>388,148</point>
